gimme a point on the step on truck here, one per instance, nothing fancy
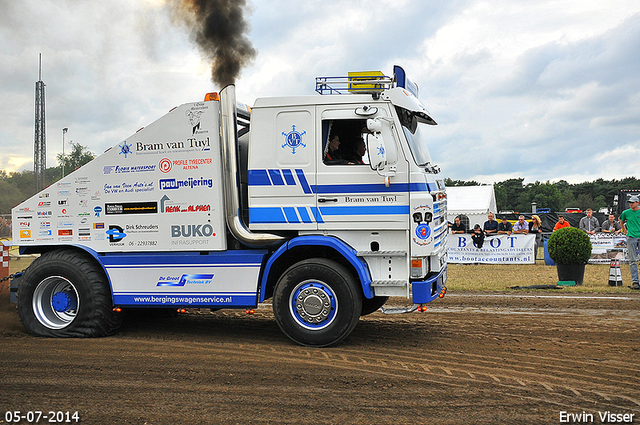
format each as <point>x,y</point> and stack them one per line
<point>327,205</point>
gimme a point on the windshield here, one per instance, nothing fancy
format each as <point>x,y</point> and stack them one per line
<point>415,129</point>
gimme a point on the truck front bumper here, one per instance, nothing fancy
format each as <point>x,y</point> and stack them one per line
<point>428,290</point>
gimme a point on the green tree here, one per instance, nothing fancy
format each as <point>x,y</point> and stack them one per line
<point>17,186</point>
<point>11,196</point>
<point>79,156</point>
<point>452,183</point>
<point>508,193</point>
<point>545,195</point>
<point>599,202</point>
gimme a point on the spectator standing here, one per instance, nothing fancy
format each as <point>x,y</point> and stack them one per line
<point>458,226</point>
<point>630,220</point>
<point>504,227</point>
<point>561,223</point>
<point>521,226</point>
<point>589,223</point>
<point>5,228</point>
<point>490,226</point>
<point>535,227</point>
<point>611,225</point>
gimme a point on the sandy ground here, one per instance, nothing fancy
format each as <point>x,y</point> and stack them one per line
<point>497,358</point>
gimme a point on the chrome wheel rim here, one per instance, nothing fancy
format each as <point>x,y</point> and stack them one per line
<point>55,302</point>
<point>313,304</point>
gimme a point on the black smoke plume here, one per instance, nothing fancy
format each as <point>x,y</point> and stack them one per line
<point>219,29</point>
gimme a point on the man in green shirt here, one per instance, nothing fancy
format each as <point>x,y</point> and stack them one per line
<point>630,221</point>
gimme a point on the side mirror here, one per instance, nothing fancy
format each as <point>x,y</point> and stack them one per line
<point>377,151</point>
<point>382,128</point>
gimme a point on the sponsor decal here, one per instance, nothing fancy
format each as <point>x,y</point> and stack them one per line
<point>192,231</point>
<point>44,204</point>
<point>45,214</point>
<point>83,203</point>
<point>186,208</point>
<point>24,224</point>
<point>82,191</point>
<point>192,164</point>
<point>125,149</point>
<point>165,165</point>
<point>45,224</point>
<point>188,145</point>
<point>123,169</point>
<point>65,224</point>
<point>43,195</point>
<point>141,228</point>
<point>422,234</point>
<point>131,208</point>
<point>98,225</point>
<point>194,115</point>
<point>97,210</point>
<point>25,210</point>
<point>62,202</point>
<point>185,279</point>
<point>25,217</point>
<point>116,233</point>
<point>64,192</point>
<point>168,206</point>
<point>65,232</point>
<point>84,234</point>
<point>190,183</point>
<point>137,187</point>
<point>293,139</point>
<point>25,234</point>
<point>44,233</point>
<point>192,234</point>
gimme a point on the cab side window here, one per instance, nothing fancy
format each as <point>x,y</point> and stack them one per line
<point>343,142</point>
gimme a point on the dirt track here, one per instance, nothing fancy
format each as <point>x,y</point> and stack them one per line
<point>472,358</point>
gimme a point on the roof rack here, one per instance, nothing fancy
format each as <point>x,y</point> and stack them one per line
<point>367,82</point>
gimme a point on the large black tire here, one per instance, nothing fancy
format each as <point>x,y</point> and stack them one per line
<point>371,305</point>
<point>317,303</point>
<point>65,293</point>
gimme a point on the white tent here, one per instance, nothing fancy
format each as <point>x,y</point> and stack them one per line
<point>473,202</point>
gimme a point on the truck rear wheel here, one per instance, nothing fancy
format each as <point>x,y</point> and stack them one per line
<point>316,302</point>
<point>64,293</point>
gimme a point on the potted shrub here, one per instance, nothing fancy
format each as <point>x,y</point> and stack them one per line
<point>570,249</point>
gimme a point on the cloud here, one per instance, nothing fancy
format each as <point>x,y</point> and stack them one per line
<point>547,90</point>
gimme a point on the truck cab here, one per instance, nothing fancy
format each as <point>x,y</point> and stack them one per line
<point>377,189</point>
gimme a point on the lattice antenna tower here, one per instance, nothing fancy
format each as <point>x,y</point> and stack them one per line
<point>40,143</point>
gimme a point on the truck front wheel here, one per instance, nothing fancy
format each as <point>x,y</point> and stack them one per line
<point>316,302</point>
<point>64,293</point>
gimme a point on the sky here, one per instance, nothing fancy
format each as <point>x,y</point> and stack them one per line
<point>546,90</point>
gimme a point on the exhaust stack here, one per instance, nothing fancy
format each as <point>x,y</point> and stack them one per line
<point>230,178</point>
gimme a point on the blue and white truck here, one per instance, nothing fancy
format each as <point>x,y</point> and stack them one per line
<point>220,205</point>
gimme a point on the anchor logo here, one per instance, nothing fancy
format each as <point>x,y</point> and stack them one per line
<point>293,139</point>
<point>125,149</point>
